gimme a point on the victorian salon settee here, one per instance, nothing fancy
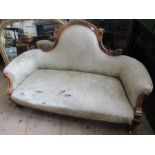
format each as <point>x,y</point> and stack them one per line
<point>78,76</point>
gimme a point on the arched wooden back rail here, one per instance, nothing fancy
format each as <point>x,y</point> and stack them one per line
<point>98,33</point>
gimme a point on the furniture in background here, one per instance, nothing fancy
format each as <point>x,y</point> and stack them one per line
<point>1,63</point>
<point>17,34</point>
<point>142,47</point>
<point>116,33</point>
<point>47,29</point>
<point>78,76</point>
<point>25,35</point>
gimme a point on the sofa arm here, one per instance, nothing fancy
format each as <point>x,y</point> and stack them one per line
<point>136,80</point>
<point>19,68</point>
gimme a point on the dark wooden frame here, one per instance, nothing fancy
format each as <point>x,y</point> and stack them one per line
<point>138,113</point>
<point>99,34</point>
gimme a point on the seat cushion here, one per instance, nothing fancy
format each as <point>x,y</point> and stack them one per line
<point>78,94</point>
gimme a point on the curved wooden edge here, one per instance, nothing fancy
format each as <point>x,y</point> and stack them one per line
<point>10,84</point>
<point>138,111</point>
<point>98,32</point>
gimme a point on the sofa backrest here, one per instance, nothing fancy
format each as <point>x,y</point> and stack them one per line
<point>79,48</point>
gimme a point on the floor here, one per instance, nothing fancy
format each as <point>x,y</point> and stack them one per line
<point>22,120</point>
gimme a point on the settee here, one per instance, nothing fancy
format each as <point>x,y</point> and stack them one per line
<point>78,76</point>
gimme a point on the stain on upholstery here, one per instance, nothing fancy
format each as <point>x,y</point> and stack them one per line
<point>62,91</point>
<point>39,91</point>
<point>67,95</point>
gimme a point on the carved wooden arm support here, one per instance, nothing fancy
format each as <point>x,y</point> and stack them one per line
<point>137,84</point>
<point>19,68</point>
<point>138,109</point>
<point>10,84</point>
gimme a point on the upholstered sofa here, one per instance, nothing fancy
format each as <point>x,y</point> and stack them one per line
<point>78,76</point>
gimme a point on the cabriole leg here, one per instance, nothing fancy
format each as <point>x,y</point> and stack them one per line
<point>135,122</point>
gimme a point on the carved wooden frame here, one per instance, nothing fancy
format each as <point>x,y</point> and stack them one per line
<point>98,33</point>
<point>10,84</point>
<point>138,111</point>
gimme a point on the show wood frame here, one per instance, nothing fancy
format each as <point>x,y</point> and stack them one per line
<point>99,35</point>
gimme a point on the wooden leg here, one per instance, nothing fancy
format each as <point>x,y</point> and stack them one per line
<point>137,113</point>
<point>19,106</point>
<point>136,121</point>
<point>133,125</point>
<point>9,98</point>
